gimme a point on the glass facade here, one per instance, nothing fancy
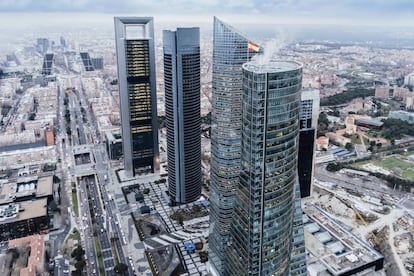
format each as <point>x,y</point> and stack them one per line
<point>230,51</point>
<point>298,265</point>
<point>261,231</point>
<point>308,120</point>
<point>182,109</point>
<point>136,78</point>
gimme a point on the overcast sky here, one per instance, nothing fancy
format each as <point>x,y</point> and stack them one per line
<point>365,12</point>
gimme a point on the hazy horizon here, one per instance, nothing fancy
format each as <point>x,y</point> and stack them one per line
<point>18,26</point>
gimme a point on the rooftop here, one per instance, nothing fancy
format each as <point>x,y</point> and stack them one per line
<point>35,261</point>
<point>339,250</point>
<point>27,186</point>
<point>259,65</point>
<point>29,209</point>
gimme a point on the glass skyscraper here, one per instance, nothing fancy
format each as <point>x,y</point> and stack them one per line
<point>134,37</point>
<point>230,51</point>
<point>182,110</point>
<point>309,112</point>
<point>262,229</point>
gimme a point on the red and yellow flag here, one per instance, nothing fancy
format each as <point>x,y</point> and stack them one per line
<point>253,46</point>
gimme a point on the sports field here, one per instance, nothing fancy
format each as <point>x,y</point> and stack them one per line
<point>398,166</point>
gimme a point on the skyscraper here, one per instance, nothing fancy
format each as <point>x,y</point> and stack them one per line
<point>47,64</point>
<point>263,218</point>
<point>134,37</point>
<point>182,110</point>
<point>86,60</point>
<point>308,121</point>
<point>230,51</point>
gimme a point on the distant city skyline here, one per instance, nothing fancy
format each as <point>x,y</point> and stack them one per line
<point>352,12</point>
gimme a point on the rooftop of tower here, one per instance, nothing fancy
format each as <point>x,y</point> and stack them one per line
<point>258,66</point>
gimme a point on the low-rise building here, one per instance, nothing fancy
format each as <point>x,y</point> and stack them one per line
<point>333,250</point>
<point>402,115</point>
<point>113,141</point>
<point>24,218</point>
<point>35,262</point>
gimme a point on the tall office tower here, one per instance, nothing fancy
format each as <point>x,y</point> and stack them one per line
<point>62,42</point>
<point>263,220</point>
<point>182,110</point>
<point>230,51</point>
<point>309,112</point>
<point>134,38</point>
<point>42,45</point>
<point>47,64</point>
<point>86,60</point>
<point>97,63</point>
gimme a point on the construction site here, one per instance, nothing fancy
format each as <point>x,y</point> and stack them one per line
<point>349,232</point>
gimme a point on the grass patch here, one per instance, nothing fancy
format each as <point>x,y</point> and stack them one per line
<point>116,258</point>
<point>75,200</point>
<point>398,166</point>
<point>355,139</point>
<point>75,235</point>
<point>99,255</point>
<point>366,141</point>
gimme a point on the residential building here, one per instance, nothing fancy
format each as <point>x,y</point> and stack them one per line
<point>49,136</point>
<point>182,110</point>
<point>409,79</point>
<point>382,92</point>
<point>402,115</point>
<point>134,37</point>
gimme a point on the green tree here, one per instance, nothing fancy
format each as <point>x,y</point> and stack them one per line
<point>334,167</point>
<point>79,265</point>
<point>349,147</point>
<point>78,253</point>
<point>323,124</point>
<point>32,116</point>
<point>120,268</point>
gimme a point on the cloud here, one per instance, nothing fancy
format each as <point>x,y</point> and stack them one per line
<point>312,9</point>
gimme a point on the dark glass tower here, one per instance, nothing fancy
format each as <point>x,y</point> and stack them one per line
<point>230,51</point>
<point>182,110</point>
<point>47,64</point>
<point>86,59</point>
<point>264,213</point>
<point>134,38</point>
<point>309,112</point>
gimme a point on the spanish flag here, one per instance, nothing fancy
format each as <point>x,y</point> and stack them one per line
<point>251,46</point>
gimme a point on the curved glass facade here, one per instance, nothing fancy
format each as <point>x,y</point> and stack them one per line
<point>182,110</point>
<point>263,219</point>
<point>230,51</point>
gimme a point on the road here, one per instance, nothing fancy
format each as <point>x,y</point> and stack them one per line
<point>97,213</point>
<point>353,183</point>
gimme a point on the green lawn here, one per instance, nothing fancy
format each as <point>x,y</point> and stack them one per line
<point>99,255</point>
<point>355,139</point>
<point>75,200</point>
<point>397,165</point>
<point>75,235</point>
<point>394,164</point>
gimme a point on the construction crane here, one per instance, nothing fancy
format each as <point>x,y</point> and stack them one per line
<point>359,215</point>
